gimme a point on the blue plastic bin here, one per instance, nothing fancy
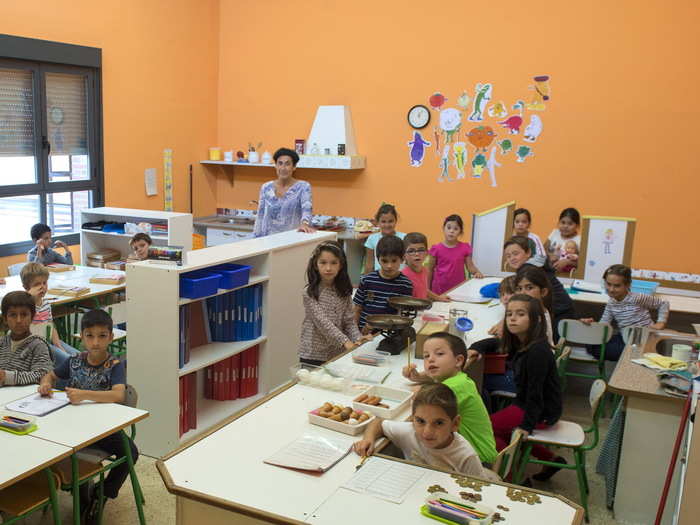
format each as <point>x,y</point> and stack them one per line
<point>647,287</point>
<point>232,275</point>
<point>199,283</point>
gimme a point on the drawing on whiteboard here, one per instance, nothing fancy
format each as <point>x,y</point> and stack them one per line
<point>417,151</point>
<point>608,240</point>
<point>478,165</point>
<point>481,137</point>
<point>459,152</point>
<point>482,95</point>
<point>445,164</point>
<point>450,122</point>
<point>533,129</point>
<point>541,94</point>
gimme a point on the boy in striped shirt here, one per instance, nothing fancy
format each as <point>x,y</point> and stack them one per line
<point>627,308</point>
<point>376,287</point>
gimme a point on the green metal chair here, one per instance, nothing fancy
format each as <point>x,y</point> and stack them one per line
<point>577,333</point>
<point>29,495</point>
<point>567,434</point>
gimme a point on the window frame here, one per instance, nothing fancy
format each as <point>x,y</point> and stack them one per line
<point>43,56</point>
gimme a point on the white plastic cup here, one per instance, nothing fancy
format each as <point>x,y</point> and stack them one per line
<point>681,352</point>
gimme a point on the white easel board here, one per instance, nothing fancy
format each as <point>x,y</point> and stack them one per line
<point>490,229</point>
<point>605,241</point>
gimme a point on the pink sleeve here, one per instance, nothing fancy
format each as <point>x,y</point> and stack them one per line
<point>434,249</point>
<point>467,249</point>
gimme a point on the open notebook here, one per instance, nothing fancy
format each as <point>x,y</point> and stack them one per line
<point>311,452</point>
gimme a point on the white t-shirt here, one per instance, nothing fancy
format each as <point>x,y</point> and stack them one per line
<point>459,455</point>
<point>556,241</point>
<point>371,243</point>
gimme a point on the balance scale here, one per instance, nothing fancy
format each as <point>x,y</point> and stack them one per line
<point>397,329</point>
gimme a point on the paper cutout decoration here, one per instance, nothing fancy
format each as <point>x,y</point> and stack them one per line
<point>482,95</point>
<point>450,122</point>
<point>436,100</point>
<point>436,135</point>
<point>481,137</point>
<point>533,129</point>
<point>459,152</point>
<point>445,164</point>
<point>491,165</point>
<point>498,110</point>
<point>168,179</point>
<point>541,94</point>
<point>417,151</point>
<point>478,165</point>
<point>506,145</point>
<point>523,152</point>
<point>512,124</point>
<point>463,100</point>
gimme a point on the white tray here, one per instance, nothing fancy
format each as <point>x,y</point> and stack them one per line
<point>397,400</point>
<point>339,426</point>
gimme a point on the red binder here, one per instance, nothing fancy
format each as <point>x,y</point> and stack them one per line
<point>236,383</point>
<point>192,406</point>
<point>255,352</point>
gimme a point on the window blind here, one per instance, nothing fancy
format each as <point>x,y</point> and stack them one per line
<point>66,108</point>
<point>16,113</point>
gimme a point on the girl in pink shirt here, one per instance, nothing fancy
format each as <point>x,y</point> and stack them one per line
<point>450,257</point>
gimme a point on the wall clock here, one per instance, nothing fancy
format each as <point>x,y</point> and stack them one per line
<point>418,116</point>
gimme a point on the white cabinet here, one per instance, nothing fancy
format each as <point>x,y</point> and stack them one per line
<point>216,236</point>
<point>179,226</point>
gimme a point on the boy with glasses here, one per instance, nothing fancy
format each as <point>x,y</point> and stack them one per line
<point>416,245</point>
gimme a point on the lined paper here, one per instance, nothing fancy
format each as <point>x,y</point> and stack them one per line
<point>385,479</point>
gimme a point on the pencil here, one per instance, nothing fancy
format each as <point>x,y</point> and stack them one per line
<point>362,462</point>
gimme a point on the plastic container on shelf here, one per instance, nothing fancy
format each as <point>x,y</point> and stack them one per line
<point>199,283</point>
<point>647,287</point>
<point>232,275</point>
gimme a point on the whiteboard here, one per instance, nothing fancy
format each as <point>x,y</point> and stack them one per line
<point>605,246</point>
<point>488,235</point>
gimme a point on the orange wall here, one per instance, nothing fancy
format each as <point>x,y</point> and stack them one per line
<point>620,132</point>
<point>160,64</point>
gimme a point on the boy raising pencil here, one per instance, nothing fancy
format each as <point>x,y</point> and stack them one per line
<point>96,376</point>
<point>431,437</point>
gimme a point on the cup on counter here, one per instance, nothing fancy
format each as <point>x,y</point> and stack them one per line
<point>228,156</point>
<point>214,153</point>
<point>681,352</point>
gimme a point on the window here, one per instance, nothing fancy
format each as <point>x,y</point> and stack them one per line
<point>50,139</point>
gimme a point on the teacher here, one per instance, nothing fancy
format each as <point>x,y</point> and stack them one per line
<point>284,204</point>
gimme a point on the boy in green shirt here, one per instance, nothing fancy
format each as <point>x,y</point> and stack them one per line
<point>443,357</point>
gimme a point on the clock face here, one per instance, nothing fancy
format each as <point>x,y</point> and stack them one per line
<point>56,115</point>
<point>418,116</point>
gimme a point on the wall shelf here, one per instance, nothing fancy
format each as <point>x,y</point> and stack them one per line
<point>322,162</point>
<point>203,356</point>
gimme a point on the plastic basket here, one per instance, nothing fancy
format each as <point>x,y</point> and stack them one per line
<point>647,287</point>
<point>199,283</point>
<point>232,275</point>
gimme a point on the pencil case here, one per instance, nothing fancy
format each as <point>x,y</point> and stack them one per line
<point>17,424</point>
<point>451,509</point>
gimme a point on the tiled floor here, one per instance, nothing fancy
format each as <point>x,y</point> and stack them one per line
<point>160,505</point>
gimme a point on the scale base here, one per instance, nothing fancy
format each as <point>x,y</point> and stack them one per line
<point>395,342</point>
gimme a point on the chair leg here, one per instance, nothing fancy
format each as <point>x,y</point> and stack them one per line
<point>138,495</point>
<point>524,460</point>
<point>75,488</point>
<point>580,472</point>
<point>585,474</point>
<point>53,497</point>
<point>101,497</point>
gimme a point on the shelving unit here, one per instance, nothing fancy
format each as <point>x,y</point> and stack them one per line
<point>279,263</point>
<point>179,229</point>
<point>323,162</point>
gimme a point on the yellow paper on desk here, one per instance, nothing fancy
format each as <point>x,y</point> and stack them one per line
<point>665,362</point>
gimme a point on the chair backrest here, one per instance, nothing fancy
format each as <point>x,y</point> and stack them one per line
<point>562,360</point>
<point>131,397</point>
<point>506,457</point>
<point>586,334</point>
<point>594,397</point>
<point>15,269</point>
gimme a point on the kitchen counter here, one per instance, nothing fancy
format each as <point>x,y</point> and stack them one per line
<point>224,223</point>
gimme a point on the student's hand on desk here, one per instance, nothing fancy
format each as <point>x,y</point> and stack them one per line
<point>364,447</point>
<point>306,228</point>
<point>657,326</point>
<point>76,395</point>
<point>587,320</point>
<point>478,275</point>
<point>45,390</point>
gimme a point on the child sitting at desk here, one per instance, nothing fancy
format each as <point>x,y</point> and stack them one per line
<point>139,243</point>
<point>376,287</point>
<point>24,358</point>
<point>627,309</point>
<point>416,245</point>
<point>35,279</point>
<point>451,256</point>
<point>42,252</point>
<point>431,437</point>
<point>443,357</point>
<point>96,376</point>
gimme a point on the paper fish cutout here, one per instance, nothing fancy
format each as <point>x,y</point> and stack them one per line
<point>417,151</point>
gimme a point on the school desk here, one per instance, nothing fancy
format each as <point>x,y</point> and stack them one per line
<point>220,477</point>
<point>11,393</point>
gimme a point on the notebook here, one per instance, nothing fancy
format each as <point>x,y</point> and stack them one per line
<point>311,452</point>
<point>38,405</point>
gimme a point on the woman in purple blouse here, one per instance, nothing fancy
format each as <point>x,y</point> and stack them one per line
<point>284,204</point>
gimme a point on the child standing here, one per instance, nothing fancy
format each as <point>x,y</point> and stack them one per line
<point>372,296</point>
<point>416,245</point>
<point>522,220</point>
<point>96,376</point>
<point>329,325</point>
<point>35,279</point>
<point>450,257</point>
<point>444,355</point>
<point>139,243</point>
<point>627,309</point>
<point>538,402</point>
<point>566,230</point>
<point>386,218</point>
<point>24,358</point>
<point>431,437</point>
<point>42,252</point>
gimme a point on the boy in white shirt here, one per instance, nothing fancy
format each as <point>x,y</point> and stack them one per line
<point>432,437</point>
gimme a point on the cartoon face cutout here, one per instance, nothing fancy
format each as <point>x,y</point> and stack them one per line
<point>481,136</point>
<point>450,119</point>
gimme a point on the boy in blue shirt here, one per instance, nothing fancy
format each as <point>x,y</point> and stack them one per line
<point>376,287</point>
<point>42,252</point>
<point>96,376</point>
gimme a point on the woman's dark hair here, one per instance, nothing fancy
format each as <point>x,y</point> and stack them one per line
<point>286,152</point>
<point>384,209</point>
<point>18,299</point>
<point>454,218</point>
<point>536,332</point>
<point>621,270</point>
<point>521,241</point>
<point>538,277</point>
<point>571,213</point>
<point>522,211</point>
<point>343,286</point>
